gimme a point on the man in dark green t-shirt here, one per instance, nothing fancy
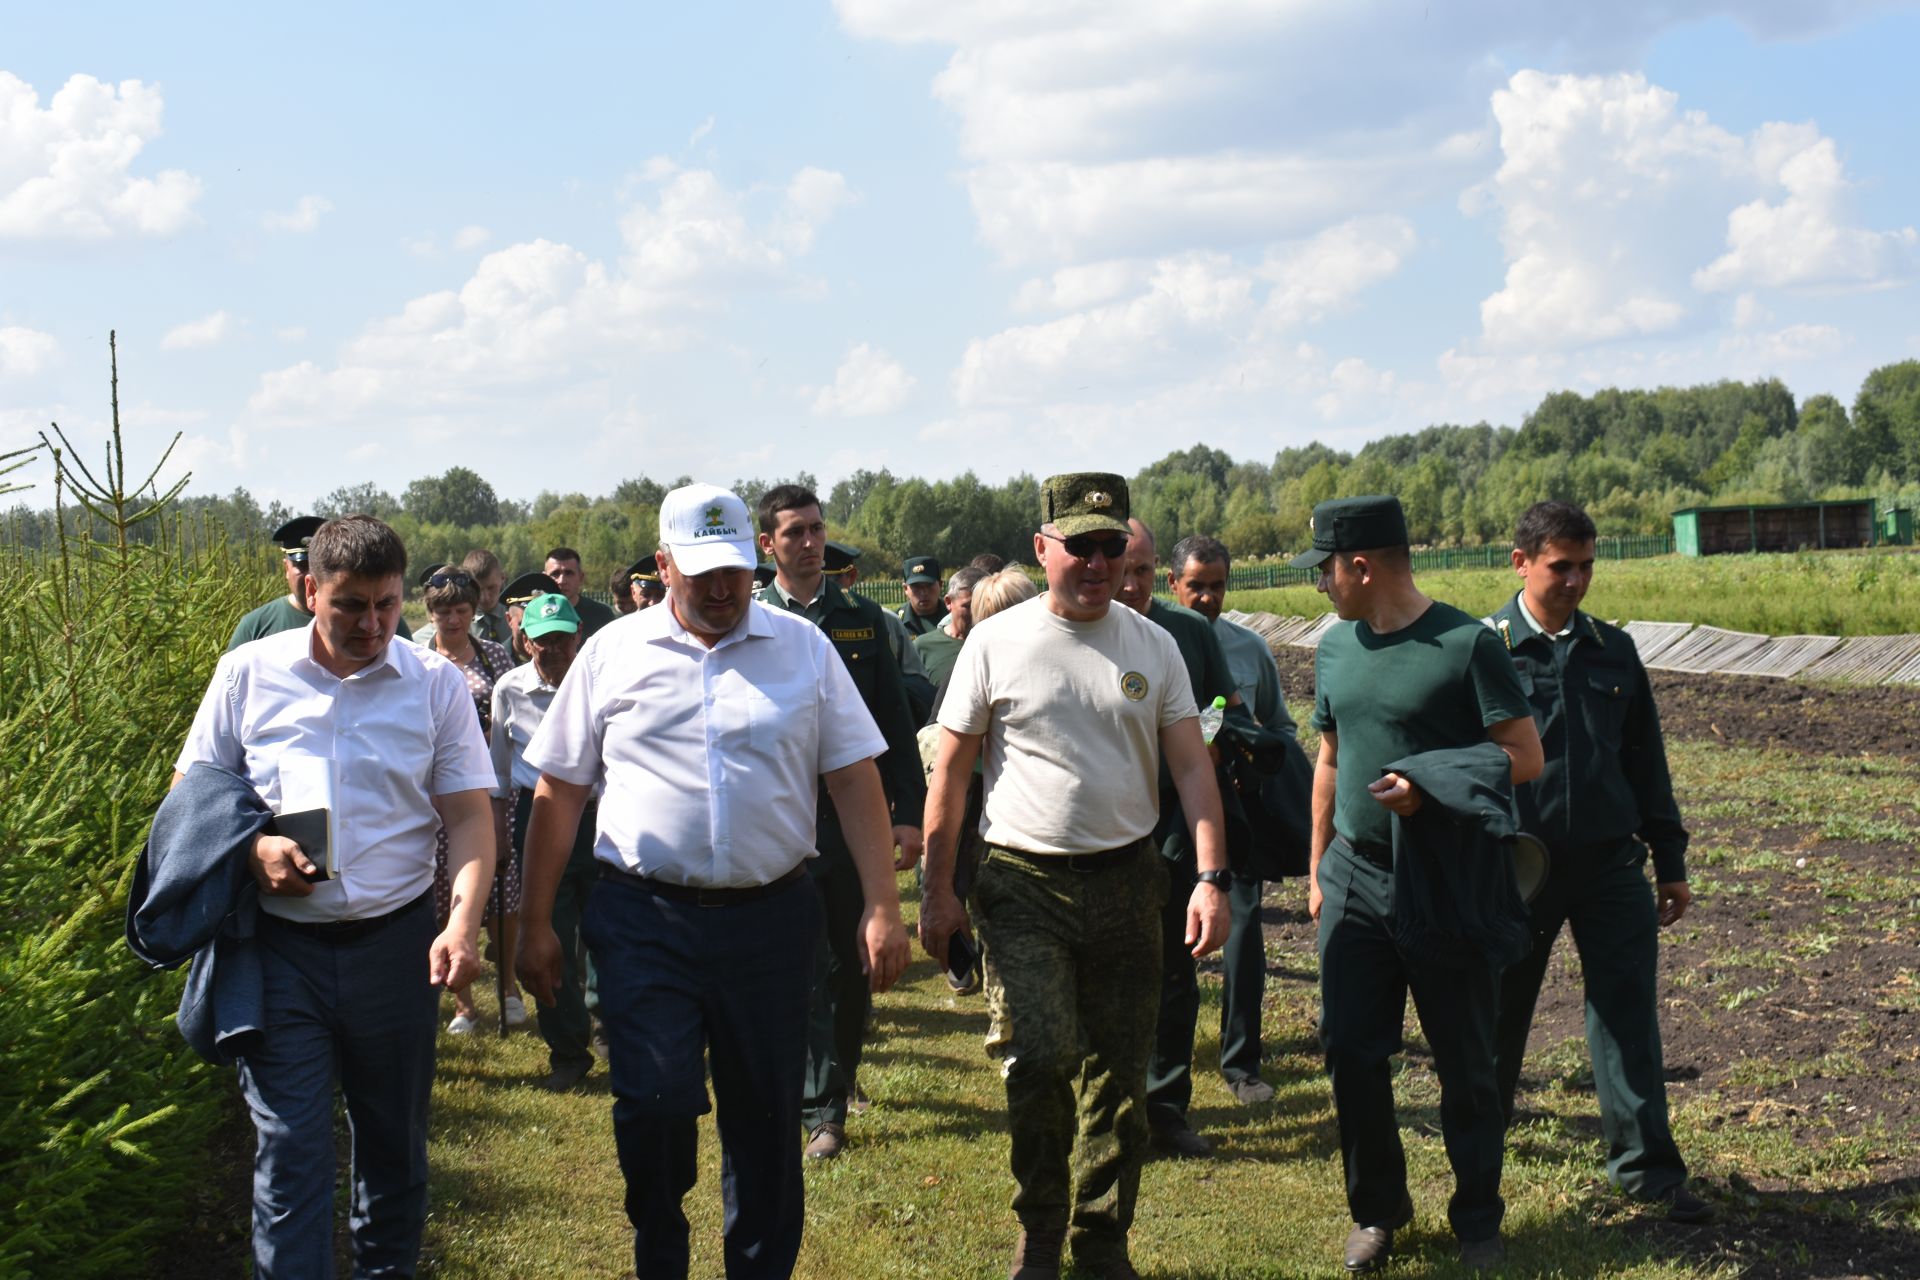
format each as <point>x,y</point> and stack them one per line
<point>1401,674</point>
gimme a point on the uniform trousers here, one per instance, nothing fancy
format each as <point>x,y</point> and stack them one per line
<point>1616,932</point>
<point>361,1013</point>
<point>685,989</point>
<point>1170,1069</point>
<point>840,996</point>
<point>1075,954</point>
<point>565,1025</point>
<point>1364,982</point>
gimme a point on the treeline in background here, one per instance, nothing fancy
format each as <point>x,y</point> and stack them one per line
<point>1630,457</point>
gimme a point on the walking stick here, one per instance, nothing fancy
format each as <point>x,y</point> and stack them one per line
<point>500,950</point>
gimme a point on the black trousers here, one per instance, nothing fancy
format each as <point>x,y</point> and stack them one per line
<point>1364,982</point>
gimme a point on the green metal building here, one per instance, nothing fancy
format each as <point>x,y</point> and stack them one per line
<point>1776,526</point>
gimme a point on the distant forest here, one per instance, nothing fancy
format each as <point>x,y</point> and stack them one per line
<point>1630,457</point>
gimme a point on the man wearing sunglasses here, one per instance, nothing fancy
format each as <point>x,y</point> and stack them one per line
<point>289,612</point>
<point>1075,704</point>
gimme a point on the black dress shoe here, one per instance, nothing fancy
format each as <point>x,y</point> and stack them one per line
<point>1369,1245</point>
<point>1036,1255</point>
<point>1483,1255</point>
<point>1174,1139</point>
<point>563,1078</point>
<point>1683,1205</point>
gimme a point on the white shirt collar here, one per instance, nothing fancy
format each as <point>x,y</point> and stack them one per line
<point>753,626</point>
<point>1535,623</point>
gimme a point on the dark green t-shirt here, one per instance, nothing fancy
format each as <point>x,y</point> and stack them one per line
<point>1434,684</point>
<point>278,615</point>
<point>1200,649</point>
<point>938,651</point>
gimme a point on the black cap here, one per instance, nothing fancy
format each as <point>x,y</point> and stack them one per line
<point>840,557</point>
<point>295,534</point>
<point>526,587</point>
<point>645,569</point>
<point>763,574</point>
<point>919,569</point>
<point>1354,524</point>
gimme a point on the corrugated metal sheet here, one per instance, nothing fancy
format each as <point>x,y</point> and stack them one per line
<point>1654,638</point>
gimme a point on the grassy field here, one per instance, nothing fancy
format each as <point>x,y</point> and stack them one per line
<point>1790,1109</point>
<point>1814,593</point>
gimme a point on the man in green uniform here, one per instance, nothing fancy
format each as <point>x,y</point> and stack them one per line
<point>1075,704</point>
<point>643,583</point>
<point>489,578</point>
<point>793,534</point>
<point>1197,575</point>
<point>563,566</point>
<point>920,575</point>
<point>842,564</point>
<point>1170,1070</point>
<point>939,647</point>
<point>1605,783</point>
<point>514,597</point>
<point>289,612</point>
<point>1401,675</point>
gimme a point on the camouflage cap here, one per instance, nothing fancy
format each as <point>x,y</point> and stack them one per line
<point>1354,524</point>
<point>1085,502</point>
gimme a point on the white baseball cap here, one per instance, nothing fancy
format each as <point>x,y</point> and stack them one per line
<point>707,528</point>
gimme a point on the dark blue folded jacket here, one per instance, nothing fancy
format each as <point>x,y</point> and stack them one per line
<point>1455,901</point>
<point>194,897</point>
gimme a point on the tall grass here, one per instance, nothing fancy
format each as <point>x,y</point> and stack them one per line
<point>105,648</point>
<point>1825,593</point>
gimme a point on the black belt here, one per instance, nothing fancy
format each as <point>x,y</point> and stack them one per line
<point>1380,855</point>
<point>339,931</point>
<point>695,894</point>
<point>1082,862</point>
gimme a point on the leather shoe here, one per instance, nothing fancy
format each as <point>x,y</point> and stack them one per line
<point>1174,1139</point>
<point>1036,1256</point>
<point>827,1141</point>
<point>1250,1090</point>
<point>1483,1255</point>
<point>563,1078</point>
<point>1683,1205</point>
<point>1369,1245</point>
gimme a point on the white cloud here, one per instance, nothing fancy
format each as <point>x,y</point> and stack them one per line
<point>467,239</point>
<point>1759,354</point>
<point>543,318</point>
<point>1074,288</point>
<point>25,352</point>
<point>868,381</point>
<point>66,169</point>
<point>304,217</point>
<point>207,331</point>
<point>291,333</point>
<point>700,131</point>
<point>1325,273</point>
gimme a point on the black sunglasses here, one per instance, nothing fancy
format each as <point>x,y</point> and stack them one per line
<point>1084,546</point>
<point>450,580</point>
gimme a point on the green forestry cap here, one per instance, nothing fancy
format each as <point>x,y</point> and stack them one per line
<point>548,613</point>
<point>1085,502</point>
<point>1354,524</point>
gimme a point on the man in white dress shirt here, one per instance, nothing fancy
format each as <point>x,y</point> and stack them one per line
<point>710,724</point>
<point>334,714</point>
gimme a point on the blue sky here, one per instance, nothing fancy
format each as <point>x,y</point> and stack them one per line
<point>729,240</point>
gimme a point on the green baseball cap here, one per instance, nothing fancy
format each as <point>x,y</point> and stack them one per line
<point>1354,524</point>
<point>921,569</point>
<point>1085,502</point>
<point>548,613</point>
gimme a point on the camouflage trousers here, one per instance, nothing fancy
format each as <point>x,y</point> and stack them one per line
<point>1073,962</point>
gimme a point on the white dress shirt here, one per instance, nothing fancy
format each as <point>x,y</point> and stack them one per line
<point>711,758</point>
<point>396,734</point>
<point>521,698</point>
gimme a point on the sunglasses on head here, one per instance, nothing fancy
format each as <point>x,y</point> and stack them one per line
<point>450,580</point>
<point>298,558</point>
<point>1084,546</point>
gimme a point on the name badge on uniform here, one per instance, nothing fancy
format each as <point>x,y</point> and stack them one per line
<point>852,633</point>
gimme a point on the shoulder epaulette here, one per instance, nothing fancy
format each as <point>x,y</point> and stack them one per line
<point>1505,627</point>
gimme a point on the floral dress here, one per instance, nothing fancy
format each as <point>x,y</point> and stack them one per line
<point>487,663</point>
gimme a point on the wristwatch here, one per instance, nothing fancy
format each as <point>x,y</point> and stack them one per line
<point>1221,880</point>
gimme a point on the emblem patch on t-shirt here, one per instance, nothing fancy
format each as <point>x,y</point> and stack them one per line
<point>1134,685</point>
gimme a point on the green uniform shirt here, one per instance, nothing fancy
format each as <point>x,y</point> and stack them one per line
<point>1254,670</point>
<point>1606,772</point>
<point>278,615</point>
<point>1207,668</point>
<point>937,651</point>
<point>916,625</point>
<point>855,627</point>
<point>1433,684</point>
<point>593,616</point>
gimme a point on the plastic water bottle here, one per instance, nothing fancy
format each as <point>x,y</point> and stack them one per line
<point>1211,718</point>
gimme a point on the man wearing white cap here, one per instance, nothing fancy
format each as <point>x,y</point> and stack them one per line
<point>710,724</point>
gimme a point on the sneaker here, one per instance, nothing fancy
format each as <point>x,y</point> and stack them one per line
<point>513,1011</point>
<point>1250,1090</point>
<point>462,1025</point>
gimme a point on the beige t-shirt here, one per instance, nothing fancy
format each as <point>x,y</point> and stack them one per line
<point>1072,714</point>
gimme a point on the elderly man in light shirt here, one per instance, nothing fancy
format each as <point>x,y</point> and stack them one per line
<point>336,716</point>
<point>710,724</point>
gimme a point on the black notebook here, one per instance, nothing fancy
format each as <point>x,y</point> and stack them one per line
<point>311,829</point>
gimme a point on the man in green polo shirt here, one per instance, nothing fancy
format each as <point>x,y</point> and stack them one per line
<point>1603,799</point>
<point>563,567</point>
<point>1170,1070</point>
<point>793,533</point>
<point>920,575</point>
<point>1401,675</point>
